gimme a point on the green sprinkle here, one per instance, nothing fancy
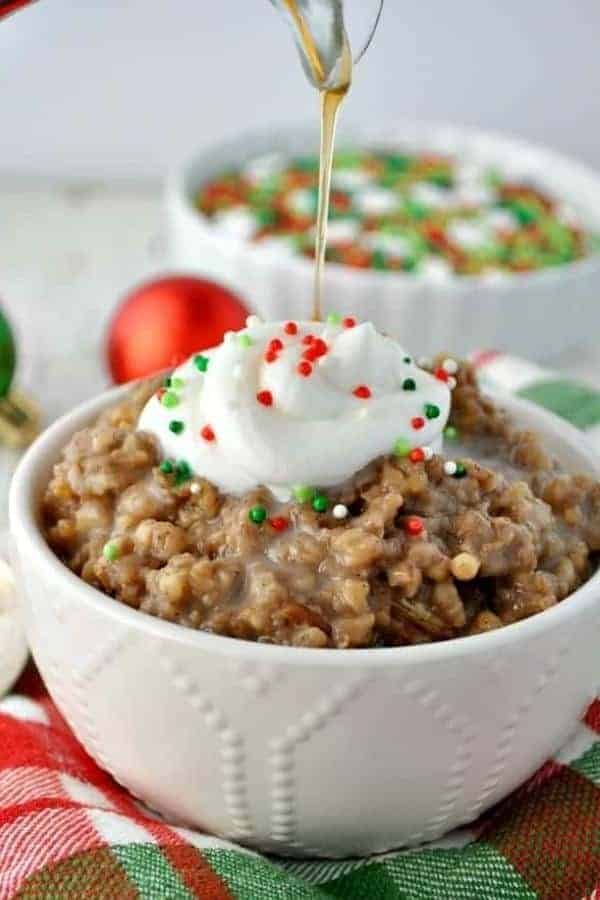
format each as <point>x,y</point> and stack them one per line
<point>266,217</point>
<point>409,384</point>
<point>440,178</point>
<point>407,360</point>
<point>167,467</point>
<point>450,433</point>
<point>320,503</point>
<point>334,318</point>
<point>183,472</point>
<point>244,340</point>
<point>201,362</point>
<point>303,493</point>
<point>397,162</point>
<point>176,426</point>
<point>432,411</point>
<point>409,264</point>
<point>170,399</point>
<point>110,551</point>
<point>168,381</point>
<point>461,470</point>
<point>177,383</point>
<point>402,447</point>
<point>416,210</point>
<point>378,260</point>
<point>257,514</point>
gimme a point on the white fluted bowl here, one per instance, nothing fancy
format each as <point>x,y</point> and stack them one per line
<point>536,314</point>
<point>302,751</point>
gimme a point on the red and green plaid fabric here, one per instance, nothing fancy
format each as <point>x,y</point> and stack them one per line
<point>69,832</point>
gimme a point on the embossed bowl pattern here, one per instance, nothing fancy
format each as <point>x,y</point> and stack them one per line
<point>297,751</point>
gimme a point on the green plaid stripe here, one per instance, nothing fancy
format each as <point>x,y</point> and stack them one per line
<point>577,403</point>
<point>254,878</point>
<point>148,869</point>
<point>589,764</point>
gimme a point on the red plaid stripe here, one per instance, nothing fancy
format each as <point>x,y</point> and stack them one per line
<point>592,718</point>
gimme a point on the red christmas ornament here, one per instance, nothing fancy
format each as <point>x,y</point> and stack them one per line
<point>162,322</point>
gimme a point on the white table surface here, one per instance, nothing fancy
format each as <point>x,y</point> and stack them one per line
<point>68,252</point>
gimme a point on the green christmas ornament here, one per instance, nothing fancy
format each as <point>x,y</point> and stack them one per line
<point>19,416</point>
<point>8,356</point>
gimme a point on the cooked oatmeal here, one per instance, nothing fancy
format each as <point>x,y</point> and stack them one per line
<point>410,550</point>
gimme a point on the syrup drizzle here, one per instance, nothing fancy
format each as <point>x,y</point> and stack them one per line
<point>331,99</point>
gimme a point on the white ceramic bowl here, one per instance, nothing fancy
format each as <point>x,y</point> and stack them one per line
<point>533,314</point>
<point>303,751</point>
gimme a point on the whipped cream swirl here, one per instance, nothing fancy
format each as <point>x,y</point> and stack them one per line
<point>298,403</point>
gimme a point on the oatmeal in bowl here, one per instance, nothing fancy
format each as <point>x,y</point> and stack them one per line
<point>464,525</point>
<point>348,634</point>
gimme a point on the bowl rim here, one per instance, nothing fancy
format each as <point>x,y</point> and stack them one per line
<point>182,182</point>
<point>28,541</point>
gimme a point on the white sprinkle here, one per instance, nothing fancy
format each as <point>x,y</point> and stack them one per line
<point>435,270</point>
<point>433,196</point>
<point>427,452</point>
<point>263,167</point>
<point>194,488</point>
<point>253,321</point>
<point>229,336</point>
<point>301,201</point>
<point>363,412</point>
<point>501,220</point>
<point>390,244</point>
<point>450,467</point>
<point>340,511</point>
<point>376,201</point>
<point>236,222</point>
<point>351,179</point>
<point>568,215</point>
<point>424,362</point>
<point>451,383</point>
<point>468,234</point>
<point>237,371</point>
<point>450,366</point>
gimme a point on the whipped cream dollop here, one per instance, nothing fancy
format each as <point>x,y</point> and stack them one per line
<point>283,404</point>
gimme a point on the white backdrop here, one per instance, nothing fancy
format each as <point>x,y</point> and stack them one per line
<point>123,87</point>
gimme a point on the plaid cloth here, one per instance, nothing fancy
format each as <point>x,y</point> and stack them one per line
<point>68,831</point>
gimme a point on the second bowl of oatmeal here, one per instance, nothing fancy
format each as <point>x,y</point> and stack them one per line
<point>442,236</point>
<point>298,750</point>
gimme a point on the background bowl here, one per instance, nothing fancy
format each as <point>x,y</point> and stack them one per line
<point>534,314</point>
<point>301,751</point>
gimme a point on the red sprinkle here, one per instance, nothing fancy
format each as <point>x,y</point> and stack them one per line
<point>305,369</point>
<point>309,339</point>
<point>417,455</point>
<point>270,356</point>
<point>362,392</point>
<point>207,433</point>
<point>311,353</point>
<point>414,526</point>
<point>320,347</point>
<point>275,345</point>
<point>290,328</point>
<point>417,423</point>
<point>265,397</point>
<point>349,322</point>
<point>161,392</point>
<point>441,374</point>
<point>279,523</point>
